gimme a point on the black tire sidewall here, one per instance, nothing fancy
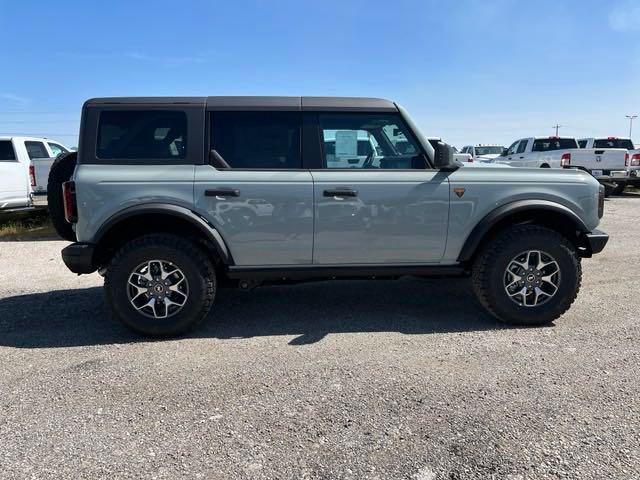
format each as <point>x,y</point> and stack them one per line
<point>60,172</point>
<point>118,298</point>
<point>510,311</point>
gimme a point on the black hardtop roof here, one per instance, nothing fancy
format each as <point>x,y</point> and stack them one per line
<point>257,103</point>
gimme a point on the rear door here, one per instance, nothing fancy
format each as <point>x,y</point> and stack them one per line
<point>389,209</point>
<point>14,187</point>
<point>255,190</point>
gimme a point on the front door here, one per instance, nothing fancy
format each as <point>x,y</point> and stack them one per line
<point>255,191</point>
<point>387,209</point>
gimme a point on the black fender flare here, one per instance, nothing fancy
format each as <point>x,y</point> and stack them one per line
<point>500,213</point>
<point>208,230</point>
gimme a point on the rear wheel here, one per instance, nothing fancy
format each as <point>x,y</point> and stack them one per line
<point>618,189</point>
<point>527,275</point>
<point>160,285</point>
<point>61,171</point>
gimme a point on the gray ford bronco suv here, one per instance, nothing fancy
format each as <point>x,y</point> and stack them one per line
<point>172,198</point>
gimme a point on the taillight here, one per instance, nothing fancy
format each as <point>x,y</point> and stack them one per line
<point>601,201</point>
<point>69,201</point>
<point>32,175</point>
<point>565,160</point>
<point>635,160</point>
<point>626,159</point>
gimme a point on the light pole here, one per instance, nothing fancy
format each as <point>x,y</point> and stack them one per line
<point>631,117</point>
<point>557,127</point>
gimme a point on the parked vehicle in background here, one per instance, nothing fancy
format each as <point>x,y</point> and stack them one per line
<point>484,153</point>
<point>606,165</point>
<point>24,171</point>
<point>633,155</point>
<point>168,224</point>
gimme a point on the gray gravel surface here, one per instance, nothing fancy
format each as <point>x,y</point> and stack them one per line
<point>346,380</point>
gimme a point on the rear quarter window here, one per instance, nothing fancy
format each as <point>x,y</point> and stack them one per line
<point>142,135</point>
<point>7,154</point>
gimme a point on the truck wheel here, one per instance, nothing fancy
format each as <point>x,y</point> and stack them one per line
<point>527,275</point>
<point>160,285</point>
<point>618,189</point>
<point>61,171</point>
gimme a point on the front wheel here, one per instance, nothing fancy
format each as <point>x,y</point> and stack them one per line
<point>160,285</point>
<point>527,275</point>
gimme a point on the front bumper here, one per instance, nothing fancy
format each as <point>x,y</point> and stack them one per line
<point>78,257</point>
<point>595,241</point>
<point>39,199</point>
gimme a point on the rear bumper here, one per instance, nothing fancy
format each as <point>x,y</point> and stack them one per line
<point>78,257</point>
<point>596,241</point>
<point>39,199</point>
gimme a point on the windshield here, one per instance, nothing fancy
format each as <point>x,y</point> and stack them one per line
<point>480,151</point>
<point>613,143</point>
<point>554,143</point>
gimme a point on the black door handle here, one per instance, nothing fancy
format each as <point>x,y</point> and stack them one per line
<point>222,192</point>
<point>341,192</point>
<point>521,157</point>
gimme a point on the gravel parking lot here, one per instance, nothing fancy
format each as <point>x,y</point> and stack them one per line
<point>345,380</point>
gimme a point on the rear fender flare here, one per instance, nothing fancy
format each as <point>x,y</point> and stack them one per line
<point>209,232</point>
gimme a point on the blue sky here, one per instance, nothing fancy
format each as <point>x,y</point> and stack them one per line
<point>470,71</point>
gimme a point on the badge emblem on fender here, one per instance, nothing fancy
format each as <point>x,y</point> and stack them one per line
<point>459,191</point>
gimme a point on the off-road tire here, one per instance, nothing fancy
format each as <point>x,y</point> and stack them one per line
<point>618,189</point>
<point>61,171</point>
<point>491,263</point>
<point>185,255</point>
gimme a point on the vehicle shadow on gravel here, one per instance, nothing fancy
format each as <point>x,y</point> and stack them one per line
<point>309,311</point>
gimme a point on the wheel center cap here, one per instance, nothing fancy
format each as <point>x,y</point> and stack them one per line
<point>531,277</point>
<point>158,288</point>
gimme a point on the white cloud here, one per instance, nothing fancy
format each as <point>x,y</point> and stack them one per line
<point>166,61</point>
<point>625,17</point>
<point>16,99</point>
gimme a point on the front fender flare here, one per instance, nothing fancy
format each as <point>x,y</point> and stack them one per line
<point>500,213</point>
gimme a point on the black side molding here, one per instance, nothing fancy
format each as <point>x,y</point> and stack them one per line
<point>323,272</point>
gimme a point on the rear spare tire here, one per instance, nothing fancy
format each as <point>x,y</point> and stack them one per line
<point>61,171</point>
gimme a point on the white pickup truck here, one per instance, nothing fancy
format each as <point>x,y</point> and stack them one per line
<point>24,171</point>
<point>484,153</point>
<point>606,165</point>
<point>633,153</point>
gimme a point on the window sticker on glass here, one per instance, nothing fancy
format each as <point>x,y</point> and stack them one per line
<point>346,143</point>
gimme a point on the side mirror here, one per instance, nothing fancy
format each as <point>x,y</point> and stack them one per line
<point>444,156</point>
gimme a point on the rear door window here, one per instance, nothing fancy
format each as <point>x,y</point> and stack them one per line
<point>7,154</point>
<point>36,150</point>
<point>258,140</point>
<point>552,143</point>
<point>142,135</point>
